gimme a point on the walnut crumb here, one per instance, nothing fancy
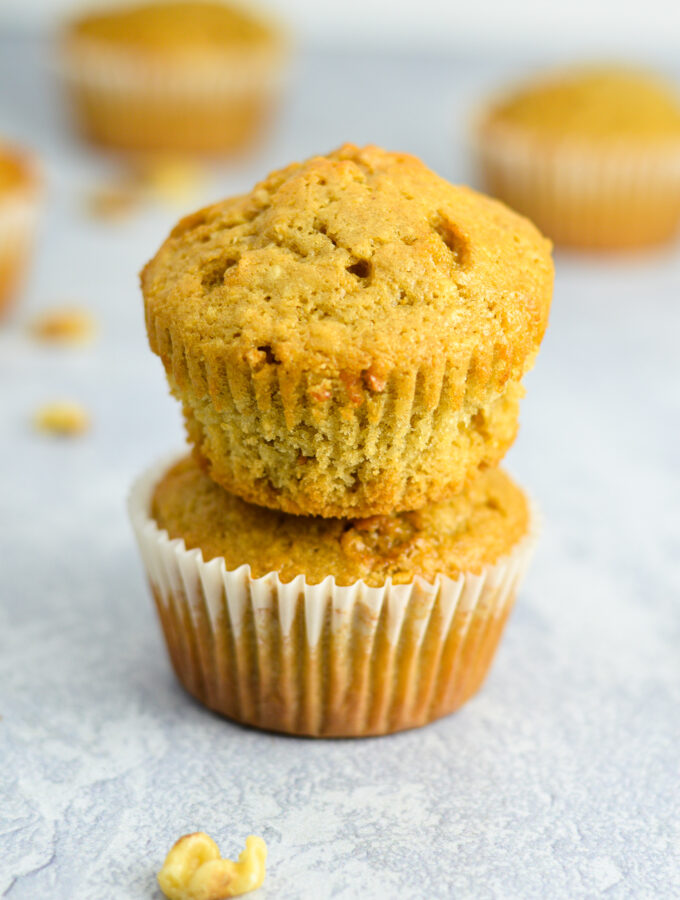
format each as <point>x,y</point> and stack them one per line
<point>373,382</point>
<point>320,394</point>
<point>171,181</point>
<point>64,326</point>
<point>194,869</point>
<point>63,418</point>
<point>112,202</point>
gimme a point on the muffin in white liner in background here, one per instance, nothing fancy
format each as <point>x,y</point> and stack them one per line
<point>183,77</point>
<point>591,156</point>
<point>20,196</point>
<point>306,655</point>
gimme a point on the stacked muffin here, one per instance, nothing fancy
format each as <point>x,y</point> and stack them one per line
<point>340,552</point>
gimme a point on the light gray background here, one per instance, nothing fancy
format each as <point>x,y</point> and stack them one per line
<point>560,780</point>
<point>596,26</point>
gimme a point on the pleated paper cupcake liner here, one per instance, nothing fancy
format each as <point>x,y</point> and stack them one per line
<point>323,659</point>
<point>18,222</point>
<point>614,197</point>
<point>274,437</point>
<point>131,104</point>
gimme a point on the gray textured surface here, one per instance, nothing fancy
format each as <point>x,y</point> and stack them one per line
<point>560,780</point>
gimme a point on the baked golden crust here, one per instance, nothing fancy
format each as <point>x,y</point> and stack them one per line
<point>473,529</point>
<point>179,29</point>
<point>349,338</point>
<point>597,103</point>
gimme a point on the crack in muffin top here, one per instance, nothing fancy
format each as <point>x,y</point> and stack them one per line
<point>359,260</point>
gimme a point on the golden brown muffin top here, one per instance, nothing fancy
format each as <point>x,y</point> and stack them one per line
<point>176,27</point>
<point>477,527</point>
<point>353,263</point>
<point>597,103</point>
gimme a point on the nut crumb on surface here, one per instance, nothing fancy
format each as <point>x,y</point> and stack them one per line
<point>169,180</point>
<point>194,869</point>
<point>112,202</point>
<point>64,325</point>
<point>174,182</point>
<point>62,418</point>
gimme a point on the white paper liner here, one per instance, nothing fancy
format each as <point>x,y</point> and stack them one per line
<point>134,104</point>
<point>583,195</point>
<point>323,659</point>
<point>120,72</point>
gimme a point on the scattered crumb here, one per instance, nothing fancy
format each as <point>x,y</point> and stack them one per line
<point>63,418</point>
<point>172,181</point>
<point>175,182</point>
<point>114,201</point>
<point>194,869</point>
<point>64,325</point>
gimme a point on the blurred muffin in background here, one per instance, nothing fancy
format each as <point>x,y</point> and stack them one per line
<point>19,200</point>
<point>591,155</point>
<point>189,76</point>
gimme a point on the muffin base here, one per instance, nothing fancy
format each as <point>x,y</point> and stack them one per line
<point>323,660</point>
<point>615,198</point>
<point>136,107</point>
<point>138,124</point>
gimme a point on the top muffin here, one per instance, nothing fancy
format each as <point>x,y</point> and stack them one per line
<point>348,339</point>
<point>595,103</point>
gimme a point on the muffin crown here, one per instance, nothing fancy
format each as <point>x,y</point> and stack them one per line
<point>175,27</point>
<point>594,103</point>
<point>353,265</point>
<point>475,528</point>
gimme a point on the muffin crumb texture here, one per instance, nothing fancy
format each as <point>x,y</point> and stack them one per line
<point>350,337</point>
<point>195,870</point>
<point>473,529</point>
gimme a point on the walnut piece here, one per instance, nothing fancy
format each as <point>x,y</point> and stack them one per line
<point>63,418</point>
<point>112,202</point>
<point>175,182</point>
<point>65,325</point>
<point>194,869</point>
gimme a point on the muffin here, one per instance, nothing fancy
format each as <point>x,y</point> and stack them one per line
<point>592,156</point>
<point>327,626</point>
<point>184,76</point>
<point>19,199</point>
<point>349,338</point>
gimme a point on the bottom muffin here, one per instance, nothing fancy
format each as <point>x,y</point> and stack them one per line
<point>330,627</point>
